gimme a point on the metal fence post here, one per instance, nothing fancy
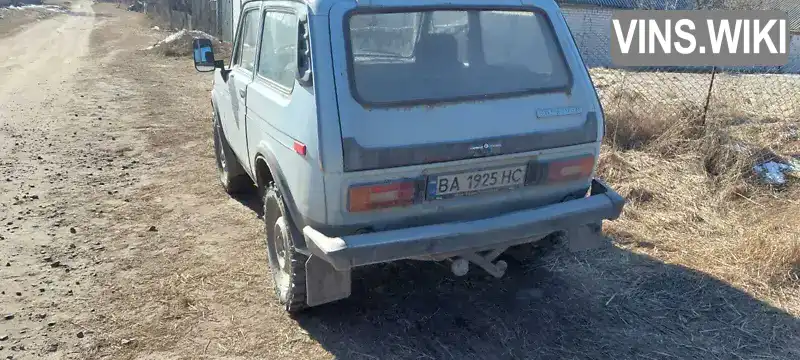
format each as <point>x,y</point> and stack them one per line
<point>708,95</point>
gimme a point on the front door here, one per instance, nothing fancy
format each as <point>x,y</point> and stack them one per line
<point>240,78</point>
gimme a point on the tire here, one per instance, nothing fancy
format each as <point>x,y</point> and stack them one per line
<point>229,171</point>
<point>288,266</point>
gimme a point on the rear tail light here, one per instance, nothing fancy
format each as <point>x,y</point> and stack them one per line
<point>570,169</point>
<point>560,170</point>
<point>380,196</point>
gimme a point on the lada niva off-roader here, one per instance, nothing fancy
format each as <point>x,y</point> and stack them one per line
<point>381,130</point>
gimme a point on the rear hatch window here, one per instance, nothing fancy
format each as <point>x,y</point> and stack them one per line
<point>445,55</point>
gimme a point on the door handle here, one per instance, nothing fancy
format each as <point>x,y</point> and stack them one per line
<point>242,93</point>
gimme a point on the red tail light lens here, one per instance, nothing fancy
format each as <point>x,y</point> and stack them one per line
<point>570,169</point>
<point>380,196</point>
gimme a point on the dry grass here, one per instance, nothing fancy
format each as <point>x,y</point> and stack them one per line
<point>637,127</point>
<point>695,198</point>
<point>678,283</point>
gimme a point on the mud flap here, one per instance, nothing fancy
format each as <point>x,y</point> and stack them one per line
<point>324,284</point>
<point>586,237</point>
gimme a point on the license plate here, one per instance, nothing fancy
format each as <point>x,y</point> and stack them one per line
<point>472,182</point>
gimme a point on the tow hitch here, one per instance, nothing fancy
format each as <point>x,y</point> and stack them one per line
<point>577,239</point>
<point>460,265</point>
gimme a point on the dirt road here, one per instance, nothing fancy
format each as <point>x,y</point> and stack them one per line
<point>117,242</point>
<point>41,296</point>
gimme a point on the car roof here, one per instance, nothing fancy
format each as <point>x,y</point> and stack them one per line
<point>322,7</point>
<point>316,6</point>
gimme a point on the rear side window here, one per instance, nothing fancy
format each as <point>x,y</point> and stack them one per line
<point>248,44</point>
<point>278,60</point>
<point>444,55</point>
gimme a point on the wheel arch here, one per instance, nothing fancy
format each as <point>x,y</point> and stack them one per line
<point>266,170</point>
<point>214,107</point>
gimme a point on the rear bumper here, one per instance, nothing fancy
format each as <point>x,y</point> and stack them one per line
<point>522,226</point>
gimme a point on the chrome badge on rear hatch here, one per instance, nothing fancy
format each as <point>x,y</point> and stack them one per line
<point>483,149</point>
<point>559,111</point>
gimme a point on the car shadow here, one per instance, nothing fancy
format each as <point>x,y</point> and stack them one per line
<point>251,200</point>
<point>606,303</point>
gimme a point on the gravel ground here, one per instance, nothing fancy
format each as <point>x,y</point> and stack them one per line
<point>117,242</point>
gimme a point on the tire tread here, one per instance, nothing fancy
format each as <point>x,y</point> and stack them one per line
<point>296,295</point>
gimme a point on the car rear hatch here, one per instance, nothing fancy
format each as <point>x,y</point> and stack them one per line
<point>432,86</point>
<point>419,87</point>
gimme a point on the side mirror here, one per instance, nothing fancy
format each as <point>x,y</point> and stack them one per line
<point>304,53</point>
<point>203,55</point>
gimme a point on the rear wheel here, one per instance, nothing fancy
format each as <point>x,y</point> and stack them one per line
<point>288,266</point>
<point>229,171</point>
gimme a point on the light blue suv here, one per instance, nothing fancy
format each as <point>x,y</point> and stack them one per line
<point>381,130</point>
